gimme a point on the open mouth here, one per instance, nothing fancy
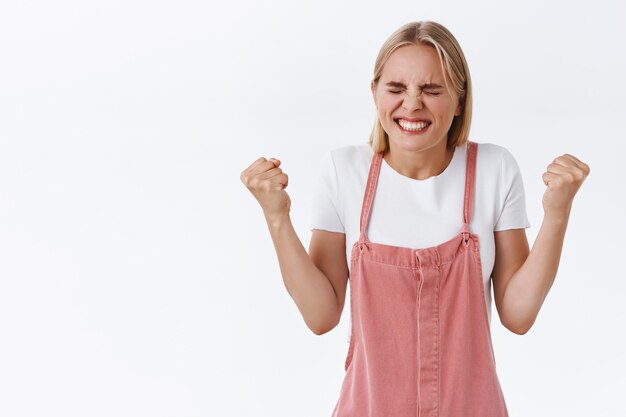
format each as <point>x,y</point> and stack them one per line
<point>413,127</point>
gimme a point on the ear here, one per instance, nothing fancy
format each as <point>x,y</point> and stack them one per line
<point>457,112</point>
<point>373,88</point>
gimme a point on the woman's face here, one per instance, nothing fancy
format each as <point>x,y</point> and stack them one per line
<point>412,87</point>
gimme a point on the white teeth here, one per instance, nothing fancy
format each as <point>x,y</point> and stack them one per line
<point>412,125</point>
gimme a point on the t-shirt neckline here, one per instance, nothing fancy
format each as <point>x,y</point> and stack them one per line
<point>450,167</point>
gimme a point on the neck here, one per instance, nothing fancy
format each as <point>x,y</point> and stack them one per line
<point>422,164</point>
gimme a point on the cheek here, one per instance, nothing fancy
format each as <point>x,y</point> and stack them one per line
<point>442,110</point>
<point>388,104</point>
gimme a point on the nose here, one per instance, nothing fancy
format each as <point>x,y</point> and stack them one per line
<point>413,102</point>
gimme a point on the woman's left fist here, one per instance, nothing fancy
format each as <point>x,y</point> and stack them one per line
<point>564,176</point>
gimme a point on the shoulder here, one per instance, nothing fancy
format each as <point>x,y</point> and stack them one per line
<point>351,153</point>
<point>351,158</point>
<point>496,157</point>
<point>492,152</point>
<point>345,163</point>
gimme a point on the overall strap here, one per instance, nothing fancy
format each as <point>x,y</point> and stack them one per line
<point>370,189</point>
<point>470,180</point>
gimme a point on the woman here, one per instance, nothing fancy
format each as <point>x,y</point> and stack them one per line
<point>427,219</point>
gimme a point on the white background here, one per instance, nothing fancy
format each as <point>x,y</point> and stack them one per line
<point>137,274</point>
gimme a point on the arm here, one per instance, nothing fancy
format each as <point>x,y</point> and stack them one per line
<point>521,279</point>
<point>317,283</point>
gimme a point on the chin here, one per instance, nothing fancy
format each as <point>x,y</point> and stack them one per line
<point>411,143</point>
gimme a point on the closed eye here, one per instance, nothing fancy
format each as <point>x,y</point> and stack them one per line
<point>430,93</point>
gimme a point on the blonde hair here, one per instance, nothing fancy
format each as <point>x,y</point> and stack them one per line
<point>453,65</point>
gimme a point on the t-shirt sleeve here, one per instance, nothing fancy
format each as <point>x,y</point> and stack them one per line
<point>513,213</point>
<point>325,213</point>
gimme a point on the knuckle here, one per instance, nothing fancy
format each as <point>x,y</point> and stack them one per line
<point>254,183</point>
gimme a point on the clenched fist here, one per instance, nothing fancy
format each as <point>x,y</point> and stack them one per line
<point>563,177</point>
<point>267,184</point>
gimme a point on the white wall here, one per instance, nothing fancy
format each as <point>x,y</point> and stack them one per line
<point>137,275</point>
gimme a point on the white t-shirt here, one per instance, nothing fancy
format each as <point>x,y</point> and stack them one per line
<point>420,213</point>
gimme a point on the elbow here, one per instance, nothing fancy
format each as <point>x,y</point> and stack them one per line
<point>323,320</point>
<point>518,328</point>
<point>323,327</point>
<point>518,320</point>
<point>320,331</point>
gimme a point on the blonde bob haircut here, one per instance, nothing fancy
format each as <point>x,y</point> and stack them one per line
<point>453,65</point>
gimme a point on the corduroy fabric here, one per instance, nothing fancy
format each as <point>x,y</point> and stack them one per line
<point>420,344</point>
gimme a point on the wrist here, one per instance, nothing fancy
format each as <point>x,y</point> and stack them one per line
<point>557,216</point>
<point>275,220</point>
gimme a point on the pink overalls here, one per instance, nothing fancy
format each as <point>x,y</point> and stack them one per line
<point>420,344</point>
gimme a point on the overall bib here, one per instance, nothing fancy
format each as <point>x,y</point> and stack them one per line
<point>420,344</point>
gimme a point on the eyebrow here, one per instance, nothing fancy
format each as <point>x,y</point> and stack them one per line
<point>423,86</point>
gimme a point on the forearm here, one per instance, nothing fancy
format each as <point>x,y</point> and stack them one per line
<point>529,286</point>
<point>307,285</point>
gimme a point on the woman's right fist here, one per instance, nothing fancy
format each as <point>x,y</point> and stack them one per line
<point>267,184</point>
